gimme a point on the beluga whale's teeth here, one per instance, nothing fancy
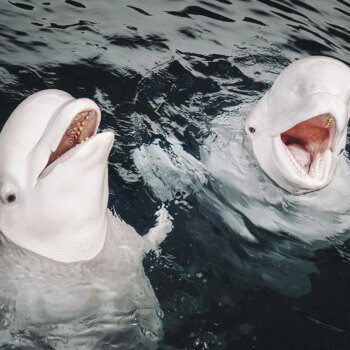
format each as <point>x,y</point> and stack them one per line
<point>315,169</point>
<point>329,122</point>
<point>81,129</point>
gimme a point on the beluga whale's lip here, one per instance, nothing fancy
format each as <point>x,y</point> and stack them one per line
<point>298,129</point>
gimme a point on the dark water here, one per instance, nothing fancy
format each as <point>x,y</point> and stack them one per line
<point>161,69</point>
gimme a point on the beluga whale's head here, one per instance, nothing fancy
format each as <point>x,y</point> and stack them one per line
<point>298,129</point>
<point>53,177</point>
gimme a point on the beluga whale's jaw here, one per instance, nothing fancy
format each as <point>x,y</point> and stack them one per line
<point>53,177</point>
<point>298,129</point>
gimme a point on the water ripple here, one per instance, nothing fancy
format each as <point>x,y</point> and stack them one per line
<point>284,8</point>
<point>255,21</point>
<point>343,2</point>
<point>22,6</point>
<point>82,25</point>
<point>137,9</point>
<point>154,41</point>
<point>75,3</point>
<point>199,11</point>
<point>164,74</point>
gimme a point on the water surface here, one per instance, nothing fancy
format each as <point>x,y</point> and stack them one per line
<point>167,73</point>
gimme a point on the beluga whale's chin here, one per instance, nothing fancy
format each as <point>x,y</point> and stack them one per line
<point>298,129</point>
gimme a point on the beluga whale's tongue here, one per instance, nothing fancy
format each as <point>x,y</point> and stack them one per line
<point>298,129</point>
<point>300,154</point>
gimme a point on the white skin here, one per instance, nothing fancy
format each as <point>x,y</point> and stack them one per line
<point>58,214</point>
<point>307,88</point>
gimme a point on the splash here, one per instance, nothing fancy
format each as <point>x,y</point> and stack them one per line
<point>157,234</point>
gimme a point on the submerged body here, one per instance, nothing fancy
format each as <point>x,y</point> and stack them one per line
<point>67,260</point>
<point>107,300</point>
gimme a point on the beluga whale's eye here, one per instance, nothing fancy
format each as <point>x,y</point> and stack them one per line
<point>251,130</point>
<point>9,196</point>
<point>341,151</point>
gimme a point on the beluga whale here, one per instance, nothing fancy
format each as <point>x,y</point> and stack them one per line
<point>295,136</point>
<point>271,161</point>
<point>298,128</point>
<point>64,255</point>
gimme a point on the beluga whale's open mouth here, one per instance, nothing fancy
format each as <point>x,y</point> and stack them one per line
<point>298,129</point>
<point>83,126</point>
<point>306,145</point>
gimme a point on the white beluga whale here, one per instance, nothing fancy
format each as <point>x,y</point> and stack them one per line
<point>65,256</point>
<point>298,129</point>
<point>264,232</point>
<point>292,139</point>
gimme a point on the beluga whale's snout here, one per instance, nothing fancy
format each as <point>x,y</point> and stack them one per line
<point>298,129</point>
<point>53,176</point>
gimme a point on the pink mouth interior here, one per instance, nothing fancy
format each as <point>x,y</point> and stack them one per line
<point>81,129</point>
<point>309,138</point>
